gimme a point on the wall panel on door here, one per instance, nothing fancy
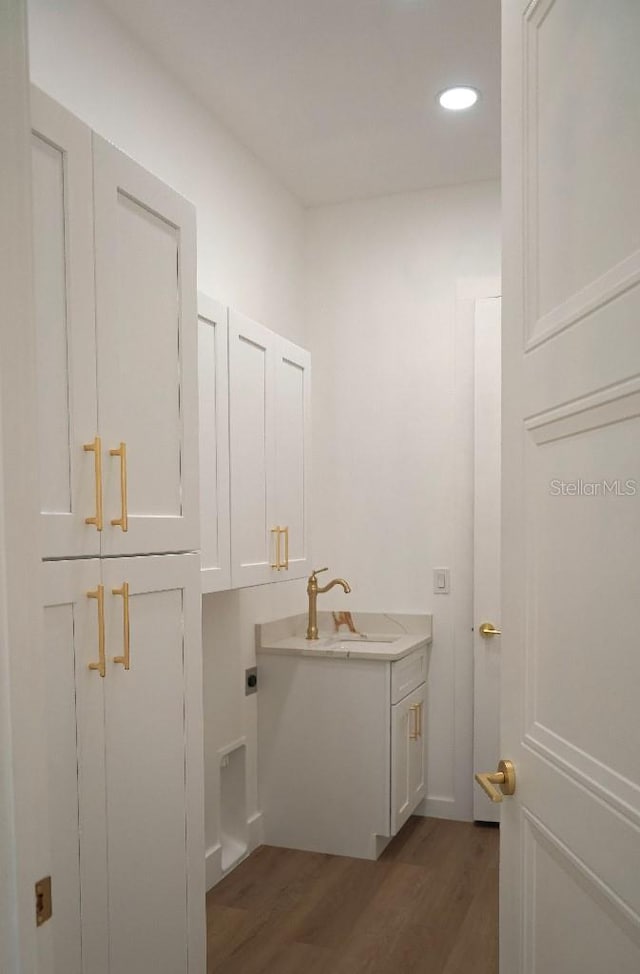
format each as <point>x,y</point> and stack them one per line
<point>65,327</point>
<point>213,388</point>
<point>252,425</point>
<point>293,448</point>
<point>570,850</point>
<point>146,309</point>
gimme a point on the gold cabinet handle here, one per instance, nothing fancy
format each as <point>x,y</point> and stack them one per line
<point>413,722</point>
<point>285,531</point>
<point>125,659</point>
<point>123,520</point>
<point>505,776</point>
<point>276,564</point>
<point>101,665</point>
<point>96,449</point>
<point>487,629</point>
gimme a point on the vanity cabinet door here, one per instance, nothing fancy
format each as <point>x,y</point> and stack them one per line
<point>293,450</point>
<point>407,757</point>
<point>213,389</point>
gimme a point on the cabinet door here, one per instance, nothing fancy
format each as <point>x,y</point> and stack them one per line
<point>154,765</point>
<point>74,755</point>
<point>252,449</point>
<point>147,357</point>
<point>293,455</point>
<point>213,389</point>
<point>65,328</point>
<point>407,757</point>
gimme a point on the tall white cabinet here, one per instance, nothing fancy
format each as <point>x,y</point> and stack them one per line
<point>114,267</point>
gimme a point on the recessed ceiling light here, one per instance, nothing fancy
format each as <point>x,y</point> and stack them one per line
<point>455,99</point>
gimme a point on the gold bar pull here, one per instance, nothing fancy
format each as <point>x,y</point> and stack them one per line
<point>123,520</point>
<point>96,449</point>
<point>101,665</point>
<point>285,531</point>
<point>277,564</point>
<point>413,722</point>
<point>505,776</point>
<point>125,659</point>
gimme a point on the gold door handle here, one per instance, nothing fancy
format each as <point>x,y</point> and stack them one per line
<point>96,449</point>
<point>413,722</point>
<point>488,629</point>
<point>505,776</point>
<point>285,531</point>
<point>277,564</point>
<point>125,659</point>
<point>123,520</point>
<point>101,665</point>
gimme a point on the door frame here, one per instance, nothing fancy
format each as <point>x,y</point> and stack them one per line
<point>459,805</point>
<point>24,842</point>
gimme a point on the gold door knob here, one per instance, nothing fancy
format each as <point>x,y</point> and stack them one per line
<point>488,629</point>
<point>505,776</point>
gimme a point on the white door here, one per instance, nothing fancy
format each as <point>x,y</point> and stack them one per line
<point>486,549</point>
<point>293,457</point>
<point>213,392</point>
<point>570,836</point>
<point>254,535</point>
<point>154,762</point>
<point>74,744</point>
<point>147,358</point>
<point>407,757</point>
<point>62,195</point>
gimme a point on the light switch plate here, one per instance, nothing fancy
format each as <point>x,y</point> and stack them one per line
<point>441,581</point>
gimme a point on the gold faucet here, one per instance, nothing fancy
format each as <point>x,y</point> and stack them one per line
<point>313,590</point>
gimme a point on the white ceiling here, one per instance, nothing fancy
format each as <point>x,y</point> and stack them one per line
<point>338,97</point>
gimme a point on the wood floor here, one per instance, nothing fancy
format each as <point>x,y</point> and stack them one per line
<point>429,905</point>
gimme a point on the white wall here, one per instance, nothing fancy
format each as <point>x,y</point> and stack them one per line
<point>392,433</point>
<point>250,252</point>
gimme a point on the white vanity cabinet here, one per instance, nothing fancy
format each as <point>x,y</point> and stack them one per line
<point>115,300</point>
<point>269,429</point>
<point>341,749</point>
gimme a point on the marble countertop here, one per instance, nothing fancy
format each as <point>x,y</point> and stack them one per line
<point>378,636</point>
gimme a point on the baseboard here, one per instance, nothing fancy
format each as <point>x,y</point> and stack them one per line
<point>213,866</point>
<point>255,825</point>
<point>442,808</point>
<point>213,856</point>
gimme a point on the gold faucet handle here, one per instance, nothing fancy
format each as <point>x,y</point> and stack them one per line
<point>316,571</point>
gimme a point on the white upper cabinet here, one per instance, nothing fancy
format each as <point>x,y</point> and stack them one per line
<point>269,424</point>
<point>213,386</point>
<point>63,275</point>
<point>116,341</point>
